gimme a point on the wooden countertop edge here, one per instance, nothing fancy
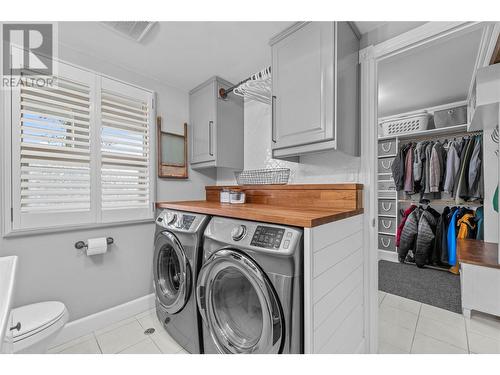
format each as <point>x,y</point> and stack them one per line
<point>290,187</point>
<point>237,212</point>
<point>335,217</point>
<point>490,250</point>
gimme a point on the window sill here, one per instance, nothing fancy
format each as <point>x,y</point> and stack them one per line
<point>72,228</point>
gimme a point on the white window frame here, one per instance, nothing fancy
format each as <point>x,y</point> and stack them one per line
<point>10,172</point>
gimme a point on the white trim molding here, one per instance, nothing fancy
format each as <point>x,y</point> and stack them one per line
<point>368,103</point>
<point>102,319</point>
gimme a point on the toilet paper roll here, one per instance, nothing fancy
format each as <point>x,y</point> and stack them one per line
<point>97,246</point>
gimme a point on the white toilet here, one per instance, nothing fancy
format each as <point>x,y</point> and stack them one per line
<point>40,323</point>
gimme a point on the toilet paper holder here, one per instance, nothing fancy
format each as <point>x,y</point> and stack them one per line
<point>82,245</point>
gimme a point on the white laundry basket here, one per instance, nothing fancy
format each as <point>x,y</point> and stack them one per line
<point>404,125</point>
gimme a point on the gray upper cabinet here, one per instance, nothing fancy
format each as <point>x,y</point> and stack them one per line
<point>216,130</point>
<point>315,89</point>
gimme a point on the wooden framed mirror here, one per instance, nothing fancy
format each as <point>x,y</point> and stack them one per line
<point>172,153</point>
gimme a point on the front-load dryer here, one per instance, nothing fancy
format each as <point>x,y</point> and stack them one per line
<point>249,289</point>
<point>177,260</point>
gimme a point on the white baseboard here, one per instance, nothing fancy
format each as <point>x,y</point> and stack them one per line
<point>101,319</point>
<point>391,256</point>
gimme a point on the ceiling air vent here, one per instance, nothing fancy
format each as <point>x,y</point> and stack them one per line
<point>135,30</point>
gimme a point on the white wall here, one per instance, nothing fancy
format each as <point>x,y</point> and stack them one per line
<point>49,266</point>
<point>326,167</point>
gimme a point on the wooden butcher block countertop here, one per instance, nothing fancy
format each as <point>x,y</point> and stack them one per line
<point>478,253</point>
<point>297,205</point>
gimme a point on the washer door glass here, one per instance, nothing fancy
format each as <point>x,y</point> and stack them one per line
<point>172,274</point>
<point>241,308</point>
<point>237,308</point>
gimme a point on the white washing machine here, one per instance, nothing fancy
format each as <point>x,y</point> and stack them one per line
<point>250,288</point>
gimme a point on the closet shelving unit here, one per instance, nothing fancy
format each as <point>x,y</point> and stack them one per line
<point>391,201</point>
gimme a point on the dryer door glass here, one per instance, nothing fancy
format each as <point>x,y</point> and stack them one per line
<point>239,305</point>
<point>172,274</point>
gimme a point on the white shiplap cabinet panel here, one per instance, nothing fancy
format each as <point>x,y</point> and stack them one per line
<point>334,321</point>
<point>335,253</point>
<point>349,336</point>
<point>334,275</point>
<point>324,308</point>
<point>334,287</point>
<point>328,234</point>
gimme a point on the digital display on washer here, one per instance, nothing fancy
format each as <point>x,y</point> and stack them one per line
<point>267,237</point>
<point>187,220</point>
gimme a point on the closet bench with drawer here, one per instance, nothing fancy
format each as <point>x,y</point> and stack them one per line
<point>479,276</point>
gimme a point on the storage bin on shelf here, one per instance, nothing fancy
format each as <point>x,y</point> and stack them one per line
<point>450,117</point>
<point>404,125</point>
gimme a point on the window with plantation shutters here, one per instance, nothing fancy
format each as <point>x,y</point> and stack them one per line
<point>81,152</point>
<point>125,150</point>
<point>52,137</point>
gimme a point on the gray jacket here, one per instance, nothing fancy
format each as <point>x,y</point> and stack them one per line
<point>462,192</point>
<point>465,146</point>
<point>475,171</point>
<point>417,161</point>
<point>436,168</point>
<point>452,166</point>
<point>427,167</point>
<point>398,169</point>
<point>426,235</point>
<point>409,234</point>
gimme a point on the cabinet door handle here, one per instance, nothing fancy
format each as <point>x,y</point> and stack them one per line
<point>385,225</point>
<point>388,208</point>
<point>273,118</point>
<point>16,327</point>
<point>210,133</point>
<point>385,244</point>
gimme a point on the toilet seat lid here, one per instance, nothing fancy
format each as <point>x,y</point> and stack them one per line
<point>36,317</point>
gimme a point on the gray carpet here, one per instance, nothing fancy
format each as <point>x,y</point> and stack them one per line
<point>433,287</point>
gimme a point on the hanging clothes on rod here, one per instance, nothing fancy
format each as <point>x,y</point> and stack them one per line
<point>429,238</point>
<point>430,168</point>
<point>256,87</point>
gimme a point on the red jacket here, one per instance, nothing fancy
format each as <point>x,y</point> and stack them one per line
<point>407,213</point>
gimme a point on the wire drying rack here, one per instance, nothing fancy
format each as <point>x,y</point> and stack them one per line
<point>274,176</point>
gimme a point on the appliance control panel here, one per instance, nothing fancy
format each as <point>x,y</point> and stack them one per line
<point>186,222</point>
<point>176,220</point>
<point>268,237</point>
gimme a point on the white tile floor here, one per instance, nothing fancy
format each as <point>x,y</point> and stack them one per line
<point>407,326</point>
<point>124,337</point>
